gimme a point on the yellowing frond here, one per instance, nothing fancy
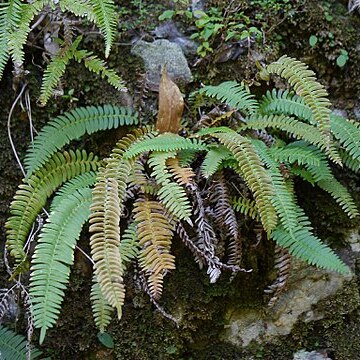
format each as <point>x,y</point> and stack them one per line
<point>155,233</point>
<point>183,175</point>
<point>256,177</point>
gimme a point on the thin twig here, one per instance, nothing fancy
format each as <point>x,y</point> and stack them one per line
<point>9,130</point>
<point>85,254</point>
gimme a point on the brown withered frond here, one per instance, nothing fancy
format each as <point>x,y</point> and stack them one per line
<point>155,233</point>
<point>183,175</point>
<point>225,216</point>
<point>283,267</point>
<point>206,238</point>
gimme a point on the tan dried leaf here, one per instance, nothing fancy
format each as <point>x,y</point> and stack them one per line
<point>171,105</point>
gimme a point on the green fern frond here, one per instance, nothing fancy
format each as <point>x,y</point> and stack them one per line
<point>313,93</point>
<point>304,174</point>
<point>53,257</point>
<point>296,152</point>
<point>55,70</point>
<point>186,157</point>
<point>10,17</point>
<point>302,244</point>
<point>34,191</point>
<point>347,132</point>
<point>294,232</point>
<point>98,66</point>
<point>18,36</point>
<point>81,8</point>
<point>246,207</point>
<point>155,233</point>
<point>164,142</point>
<point>325,180</point>
<point>71,126</point>
<point>293,127</point>
<point>171,194</point>
<point>305,85</point>
<point>350,162</point>
<point>282,102</point>
<point>282,199</point>
<point>129,244</point>
<point>213,159</point>
<point>255,175</point>
<point>106,18</point>
<point>101,309</point>
<point>14,346</point>
<point>233,94</point>
<point>214,130</point>
<point>322,175</point>
<point>85,180</point>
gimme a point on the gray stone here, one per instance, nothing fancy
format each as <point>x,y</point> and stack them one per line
<point>357,112</point>
<point>353,239</point>
<point>313,355</point>
<point>168,30</point>
<point>340,112</point>
<point>158,53</point>
<point>306,287</point>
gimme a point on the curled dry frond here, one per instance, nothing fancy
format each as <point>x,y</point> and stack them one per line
<point>225,217</point>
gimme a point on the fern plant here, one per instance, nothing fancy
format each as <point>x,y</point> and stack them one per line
<point>15,347</point>
<point>156,184</point>
<point>17,18</point>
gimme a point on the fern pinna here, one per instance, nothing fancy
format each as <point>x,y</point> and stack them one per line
<point>156,185</point>
<point>16,21</point>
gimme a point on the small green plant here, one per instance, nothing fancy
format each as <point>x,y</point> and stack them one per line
<point>213,27</point>
<point>171,184</point>
<point>313,39</point>
<point>18,18</point>
<point>343,58</point>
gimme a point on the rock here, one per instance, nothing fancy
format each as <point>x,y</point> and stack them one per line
<point>306,287</point>
<point>158,53</point>
<point>357,112</point>
<point>340,112</point>
<point>168,30</point>
<point>353,239</point>
<point>197,5</point>
<point>247,326</point>
<point>313,355</point>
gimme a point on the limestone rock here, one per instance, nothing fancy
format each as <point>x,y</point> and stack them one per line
<point>158,53</point>
<point>307,286</point>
